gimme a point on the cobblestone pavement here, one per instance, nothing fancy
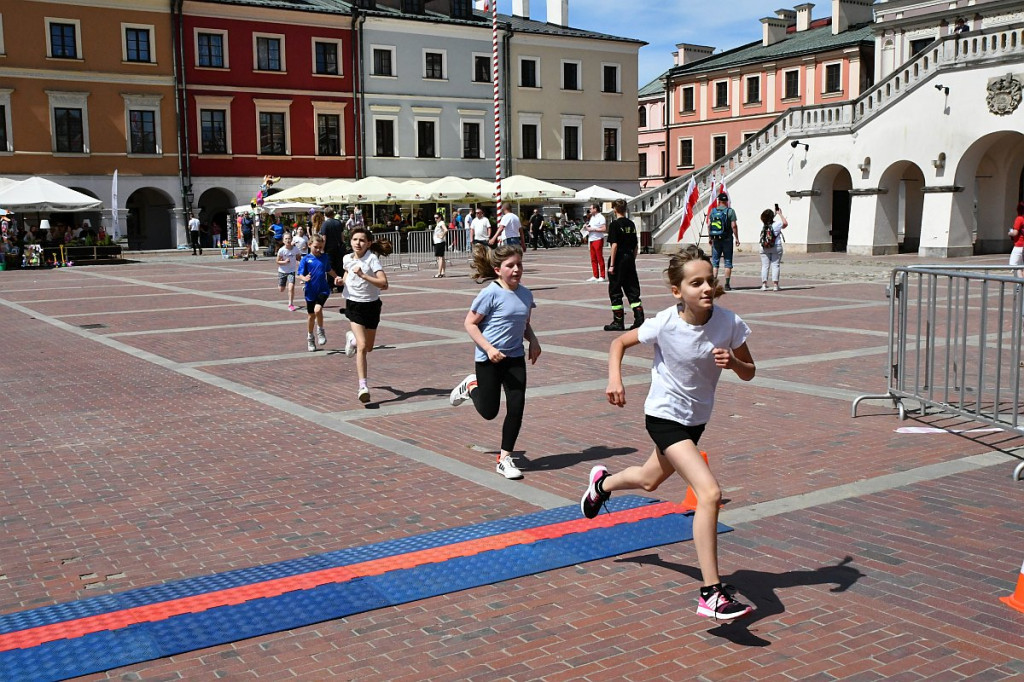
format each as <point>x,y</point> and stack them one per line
<point>163,420</point>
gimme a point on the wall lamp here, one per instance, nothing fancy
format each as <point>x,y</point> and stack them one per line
<point>797,143</point>
<point>942,88</point>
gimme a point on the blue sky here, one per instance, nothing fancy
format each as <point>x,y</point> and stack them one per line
<point>662,24</point>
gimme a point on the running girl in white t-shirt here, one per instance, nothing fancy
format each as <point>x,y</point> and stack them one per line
<point>364,280</point>
<point>498,322</point>
<point>693,342</point>
<point>287,263</point>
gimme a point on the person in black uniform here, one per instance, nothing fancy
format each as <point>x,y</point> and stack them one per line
<point>536,227</point>
<point>334,242</point>
<point>622,277</point>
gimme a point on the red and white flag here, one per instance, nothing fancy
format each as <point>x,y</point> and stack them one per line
<point>688,203</point>
<point>716,189</point>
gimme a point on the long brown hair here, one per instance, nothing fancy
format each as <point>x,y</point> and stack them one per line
<point>381,247</point>
<point>486,260</point>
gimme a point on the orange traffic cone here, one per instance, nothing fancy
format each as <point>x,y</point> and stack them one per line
<point>1016,600</point>
<point>690,502</point>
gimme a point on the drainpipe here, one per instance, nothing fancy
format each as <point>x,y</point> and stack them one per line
<point>357,93</point>
<point>666,116</point>
<point>181,104</point>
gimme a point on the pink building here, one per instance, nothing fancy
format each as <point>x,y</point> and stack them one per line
<point>716,101</point>
<point>652,129</point>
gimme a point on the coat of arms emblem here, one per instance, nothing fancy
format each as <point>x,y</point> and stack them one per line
<point>1004,95</point>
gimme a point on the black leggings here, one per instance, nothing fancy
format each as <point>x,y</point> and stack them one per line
<point>491,377</point>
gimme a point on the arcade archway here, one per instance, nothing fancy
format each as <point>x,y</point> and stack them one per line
<point>991,173</point>
<point>900,208</point>
<point>829,220</point>
<point>150,222</point>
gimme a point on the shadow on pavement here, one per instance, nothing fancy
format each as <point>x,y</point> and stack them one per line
<point>760,587</point>
<point>568,459</point>
<point>401,395</point>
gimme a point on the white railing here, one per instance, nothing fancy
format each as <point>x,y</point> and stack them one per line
<point>659,209</point>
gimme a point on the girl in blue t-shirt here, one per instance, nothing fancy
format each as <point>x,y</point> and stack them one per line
<point>499,322</point>
<point>314,269</point>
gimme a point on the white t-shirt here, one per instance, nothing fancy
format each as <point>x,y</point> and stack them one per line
<point>193,225</point>
<point>596,221</point>
<point>481,228</point>
<point>357,288</point>
<point>684,374</point>
<point>513,228</point>
<point>292,255</point>
<point>440,233</point>
<point>301,244</point>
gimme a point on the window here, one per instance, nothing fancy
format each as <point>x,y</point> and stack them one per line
<point>471,140</point>
<point>610,78</point>
<point>792,83</point>
<point>433,65</point>
<point>528,73</point>
<point>721,94</point>
<point>213,131</point>
<point>753,89</point>
<point>718,147</point>
<point>426,140</point>
<point>833,78</point>
<point>412,6</point>
<point>461,9</point>
<point>686,153</point>
<point>4,147</point>
<point>918,46</point>
<point>688,105</point>
<point>570,75</point>
<point>328,135</point>
<point>63,40</point>
<point>749,134</point>
<point>571,142</point>
<point>611,144</point>
<point>531,144</point>
<point>2,49</point>
<point>68,130</point>
<point>273,134</point>
<point>643,165</point>
<point>384,137</point>
<point>642,117</point>
<point>210,50</point>
<point>137,44</point>
<point>142,132</point>
<point>383,61</point>
<point>481,68</point>
<point>268,54</point>
<point>325,58</point>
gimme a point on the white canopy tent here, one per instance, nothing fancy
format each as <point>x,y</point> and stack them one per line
<point>39,195</point>
<point>600,194</point>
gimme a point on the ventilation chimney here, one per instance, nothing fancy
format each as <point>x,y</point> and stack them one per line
<point>787,15</point>
<point>803,16</point>
<point>558,12</point>
<point>773,30</point>
<point>521,8</point>
<point>847,13</point>
<point>687,53</point>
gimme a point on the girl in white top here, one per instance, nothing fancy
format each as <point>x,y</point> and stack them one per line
<point>440,243</point>
<point>364,279</point>
<point>287,263</point>
<point>694,341</point>
<point>300,240</point>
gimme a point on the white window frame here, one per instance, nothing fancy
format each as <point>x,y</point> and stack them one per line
<point>444,63</point>
<point>436,120</point>
<point>2,49</point>
<point>824,78</point>
<point>224,44</point>
<point>746,89</point>
<point>531,119</point>
<point>579,74</point>
<point>714,93</point>
<point>682,99</point>
<point>799,84</point>
<point>5,101</point>
<point>569,121</point>
<point>274,106</point>
<point>212,103</point>
<point>151,29</point>
<point>329,109</point>
<point>142,103</point>
<point>394,135</point>
<point>519,74</point>
<point>679,154</point>
<point>78,37</point>
<point>71,100</point>
<point>312,50</point>
<point>471,118</point>
<point>256,53</point>
<point>725,152</point>
<point>616,123</point>
<point>490,68</point>
<point>618,78</point>
<point>394,61</point>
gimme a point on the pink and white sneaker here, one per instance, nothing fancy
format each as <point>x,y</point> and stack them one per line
<point>716,602</point>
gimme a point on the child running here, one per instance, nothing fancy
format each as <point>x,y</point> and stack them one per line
<point>314,268</point>
<point>693,342</point>
<point>498,321</point>
<point>364,279</point>
<point>287,264</point>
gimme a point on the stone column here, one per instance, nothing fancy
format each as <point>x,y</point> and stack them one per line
<point>179,218</point>
<point>946,219</point>
<point>869,236</point>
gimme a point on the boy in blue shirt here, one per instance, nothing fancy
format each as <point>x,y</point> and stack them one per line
<point>314,269</point>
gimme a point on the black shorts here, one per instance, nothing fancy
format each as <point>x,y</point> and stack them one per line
<point>439,250</point>
<point>665,433</point>
<point>320,301</point>
<point>366,314</point>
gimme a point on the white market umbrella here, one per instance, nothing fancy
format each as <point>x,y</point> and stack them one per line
<point>482,190</point>
<point>525,188</point>
<point>303,192</point>
<point>334,192</point>
<point>601,194</point>
<point>288,206</point>
<point>40,195</point>
<point>376,190</point>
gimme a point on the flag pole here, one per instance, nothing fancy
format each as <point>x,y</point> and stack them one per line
<point>497,104</point>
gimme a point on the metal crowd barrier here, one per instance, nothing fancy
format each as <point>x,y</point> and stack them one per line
<point>955,343</point>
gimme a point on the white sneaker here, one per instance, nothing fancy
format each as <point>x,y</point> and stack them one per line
<point>601,279</point>
<point>508,469</point>
<point>310,343</point>
<point>350,344</point>
<point>460,393</point>
<point>776,288</point>
<point>364,394</point>
<point>592,279</point>
<point>764,287</point>
<point>321,336</point>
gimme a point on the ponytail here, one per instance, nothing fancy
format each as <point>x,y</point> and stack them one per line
<point>379,247</point>
<point>487,260</point>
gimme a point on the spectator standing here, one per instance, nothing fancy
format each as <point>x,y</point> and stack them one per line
<point>597,228</point>
<point>333,232</point>
<point>480,229</point>
<point>622,276</point>
<point>509,228</point>
<point>772,225</point>
<point>723,234</point>
<point>193,233</point>
<point>440,238</point>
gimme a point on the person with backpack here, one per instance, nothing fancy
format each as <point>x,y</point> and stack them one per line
<point>723,233</point>
<point>772,225</point>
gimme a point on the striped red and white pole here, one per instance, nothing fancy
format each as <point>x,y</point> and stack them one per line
<point>1016,600</point>
<point>497,102</point>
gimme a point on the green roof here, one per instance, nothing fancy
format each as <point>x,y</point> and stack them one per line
<point>319,6</point>
<point>655,87</point>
